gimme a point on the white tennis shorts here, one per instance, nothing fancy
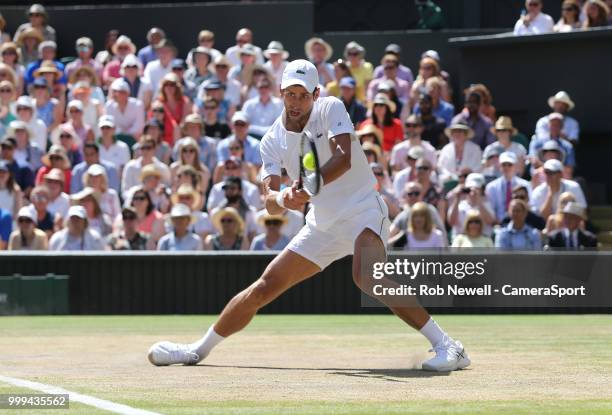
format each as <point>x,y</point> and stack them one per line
<point>325,246</point>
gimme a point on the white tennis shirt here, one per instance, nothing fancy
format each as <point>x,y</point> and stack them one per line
<point>280,149</point>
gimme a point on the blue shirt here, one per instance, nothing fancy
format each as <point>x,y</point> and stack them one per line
<point>189,242</point>
<point>6,225</point>
<point>76,183</point>
<point>496,193</point>
<point>29,73</point>
<point>261,116</point>
<point>538,143</point>
<point>526,238</point>
<point>571,128</point>
<point>146,55</point>
<point>23,174</point>
<point>259,243</point>
<point>251,150</point>
<point>444,110</point>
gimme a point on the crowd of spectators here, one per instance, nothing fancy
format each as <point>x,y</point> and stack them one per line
<point>140,149</point>
<point>575,15</point>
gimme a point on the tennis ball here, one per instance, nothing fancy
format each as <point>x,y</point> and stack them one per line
<point>309,161</point>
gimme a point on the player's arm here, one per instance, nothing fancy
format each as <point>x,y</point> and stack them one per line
<point>340,161</point>
<point>276,200</point>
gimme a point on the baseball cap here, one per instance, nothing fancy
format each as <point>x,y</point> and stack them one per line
<point>84,41</point>
<point>178,64</point>
<point>248,49</point>
<point>574,208</point>
<point>239,116</point>
<point>106,121</point>
<point>231,181</point>
<point>553,165</point>
<point>555,116</point>
<point>120,84</point>
<point>474,180</point>
<point>27,212</point>
<point>393,48</point>
<point>300,72</point>
<point>507,157</point>
<point>180,210</point>
<point>213,84</point>
<point>75,103</point>
<point>347,82</point>
<point>78,211</point>
<point>9,141</point>
<point>433,54</point>
<point>96,170</point>
<point>25,101</point>
<point>416,152</point>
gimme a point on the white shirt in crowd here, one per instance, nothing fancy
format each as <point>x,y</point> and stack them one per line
<point>131,174</point>
<point>117,153</point>
<point>281,148</point>
<point>539,194</point>
<point>131,120</point>
<point>400,152</point>
<point>233,56</point>
<point>449,164</point>
<point>38,131</point>
<point>436,239</point>
<point>464,208</point>
<point>542,23</point>
<point>154,73</point>
<point>59,205</point>
<point>261,116</point>
<point>250,194</point>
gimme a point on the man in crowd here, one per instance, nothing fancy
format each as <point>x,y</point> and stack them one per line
<point>240,124</point>
<point>180,239</point>
<point>413,193</point>
<point>471,116</point>
<point>23,173</point>
<point>148,53</point>
<point>517,234</point>
<point>532,219</point>
<point>356,110</point>
<point>111,149</point>
<point>545,197</point>
<point>262,111</point>
<point>556,123</point>
<point>128,237</point>
<point>571,236</point>
<point>433,126</point>
<point>499,191</point>
<point>127,112</point>
<point>84,49</point>
<point>156,70</point>
<point>91,155</point>
<point>77,235</point>
<point>390,64</point>
<point>533,22</point>
<point>560,103</point>
<point>249,191</point>
<point>413,128</point>
<point>403,72</point>
<point>131,172</point>
<point>243,37</point>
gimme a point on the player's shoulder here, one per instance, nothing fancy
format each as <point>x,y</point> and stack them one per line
<point>274,132</point>
<point>327,103</point>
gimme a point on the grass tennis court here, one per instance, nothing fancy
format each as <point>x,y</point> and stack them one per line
<point>319,364</point>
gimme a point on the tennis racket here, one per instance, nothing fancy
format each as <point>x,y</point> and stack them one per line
<point>310,173</point>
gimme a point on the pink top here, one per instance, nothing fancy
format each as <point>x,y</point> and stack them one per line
<point>146,225</point>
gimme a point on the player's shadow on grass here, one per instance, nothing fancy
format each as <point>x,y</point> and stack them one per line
<point>391,375</point>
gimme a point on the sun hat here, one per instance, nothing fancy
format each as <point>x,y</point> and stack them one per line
<point>186,190</point>
<point>561,96</point>
<point>227,211</point>
<point>27,212</point>
<point>551,145</point>
<point>459,126</point>
<point>55,175</point>
<point>123,40</point>
<point>148,171</point>
<point>58,151</point>
<point>275,47</point>
<point>261,220</point>
<point>181,210</point>
<point>78,211</point>
<point>474,180</point>
<point>383,99</point>
<point>553,165</point>
<point>370,129</point>
<point>504,123</point>
<point>574,208</point>
<point>314,40</point>
<point>47,66</point>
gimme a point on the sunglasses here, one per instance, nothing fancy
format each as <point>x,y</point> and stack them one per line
<point>273,222</point>
<point>227,220</point>
<point>74,111</point>
<point>39,198</point>
<point>240,124</point>
<point>6,90</point>
<point>378,173</point>
<point>24,220</point>
<point>427,68</point>
<point>412,125</point>
<point>131,67</point>
<point>210,108</point>
<point>234,188</point>
<point>160,110</point>
<point>389,67</point>
<point>235,148</point>
<point>40,87</point>
<point>474,221</point>
<point>353,53</point>
<point>9,52</point>
<point>146,148</point>
<point>463,176</point>
<point>521,197</point>
<point>413,194</point>
<point>24,109</point>
<point>65,136</point>
<point>188,150</point>
<point>425,168</point>
<point>550,172</point>
<point>263,87</point>
<point>139,198</point>
<point>221,66</point>
<point>568,9</point>
<point>533,4</point>
<point>128,218</point>
<point>6,146</point>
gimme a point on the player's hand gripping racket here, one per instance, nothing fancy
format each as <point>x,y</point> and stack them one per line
<point>310,173</point>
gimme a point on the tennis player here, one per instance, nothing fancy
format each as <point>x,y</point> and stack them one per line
<point>346,217</point>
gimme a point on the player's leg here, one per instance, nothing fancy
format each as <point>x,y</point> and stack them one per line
<point>286,270</point>
<point>450,354</point>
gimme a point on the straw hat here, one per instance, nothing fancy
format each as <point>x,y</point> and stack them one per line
<point>370,129</point>
<point>123,40</point>
<point>29,32</point>
<point>19,125</point>
<point>186,190</point>
<point>504,123</point>
<point>460,126</point>
<point>261,220</point>
<point>56,175</point>
<point>56,150</point>
<point>275,47</point>
<point>227,211</point>
<point>247,75</point>
<point>574,208</point>
<point>47,67</point>
<point>181,210</point>
<point>381,98</point>
<point>148,171</point>
<point>561,96</point>
<point>313,40</point>
<point>88,70</point>
<point>367,146</point>
<point>85,193</point>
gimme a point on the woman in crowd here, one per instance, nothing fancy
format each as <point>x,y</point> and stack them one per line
<point>150,220</point>
<point>384,189</point>
<point>11,197</point>
<point>48,109</point>
<point>341,70</point>
<point>248,171</point>
<point>428,68</point>
<point>597,12</point>
<point>56,158</point>
<point>7,100</point>
<point>92,107</point>
<point>570,17</point>
<point>8,74</point>
<point>189,154</point>
<point>11,55</point>
<point>26,151</point>
<point>95,177</point>
<point>460,153</point>
<point>131,71</point>
<point>472,236</point>
<point>45,221</point>
<point>27,236</point>
<point>421,233</point>
<point>361,70</point>
<point>230,232</point>
<point>83,133</point>
<point>272,239</point>
<point>190,197</point>
<point>382,118</point>
<point>155,129</point>
<point>170,128</point>
<point>105,55</point>
<point>28,42</point>
<point>90,200</point>
<point>121,48</point>
<point>176,105</point>
<point>471,197</point>
<point>486,99</point>
<point>250,77</point>
<point>4,36</point>
<point>89,78</point>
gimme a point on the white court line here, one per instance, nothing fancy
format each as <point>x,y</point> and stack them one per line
<point>77,397</point>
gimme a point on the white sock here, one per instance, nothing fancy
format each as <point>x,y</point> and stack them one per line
<point>433,332</point>
<point>203,346</point>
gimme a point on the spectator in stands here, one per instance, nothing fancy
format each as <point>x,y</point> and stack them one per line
<point>517,234</point>
<point>59,201</point>
<point>45,220</point>
<point>231,86</point>
<point>140,88</point>
<point>8,74</point>
<point>341,70</point>
<point>200,66</point>
<point>433,126</point>
<point>176,104</point>
<point>263,110</point>
<point>11,197</point>
<point>38,19</point>
<point>91,156</point>
<point>560,103</point>
<point>570,17</point>
<point>403,72</point>
<point>243,36</point>
<point>439,107</point>
<point>533,22</point>
<point>122,47</point>
<point>382,117</point>
<point>597,12</point>
<point>77,235</point>
<point>571,236</point>
<point>190,197</point>
<point>471,197</point>
<point>6,227</point>
<point>188,153</point>
<point>84,49</point>
<point>150,221</point>
<point>390,64</point>
<point>233,168</point>
<point>104,56</point>
<point>86,77</point>
<point>480,125</point>
<point>92,107</point>
<point>499,191</point>
<point>361,70</point>
<point>372,152</point>
<point>319,52</point>
<point>233,197</point>
<point>251,78</point>
<point>54,77</point>
<point>240,124</point>
<point>421,233</point>
<point>26,119</point>
<point>22,173</point>
<point>546,196</point>
<point>48,109</point>
<point>148,53</point>
<point>431,192</point>
<point>383,188</point>
<point>97,219</point>
<point>207,147</point>
<point>472,235</point>
<point>150,179</point>
<point>112,150</point>
<point>555,220</point>
<point>413,193</point>
<point>356,110</point>
<point>413,127</point>
<point>170,128</point>
<point>55,158</point>
<point>155,129</point>
<point>556,125</point>
<point>388,87</point>
<point>28,42</point>
<point>132,169</point>
<point>609,4</point>
<point>128,237</point>
<point>206,39</point>
<point>277,60</point>
<point>533,219</point>
<point>248,59</point>
<point>272,239</point>
<point>486,100</point>
<point>10,55</point>
<point>27,236</point>
<point>95,178</point>
<point>156,70</point>
<point>127,112</point>
<point>4,36</point>
<point>504,130</point>
<point>213,89</point>
<point>27,152</point>
<point>189,88</point>
<point>460,152</point>
<point>428,68</point>
<point>230,228</point>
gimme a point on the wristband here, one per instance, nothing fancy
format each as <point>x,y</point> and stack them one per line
<point>280,196</point>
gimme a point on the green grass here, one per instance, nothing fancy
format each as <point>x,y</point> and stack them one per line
<point>338,364</point>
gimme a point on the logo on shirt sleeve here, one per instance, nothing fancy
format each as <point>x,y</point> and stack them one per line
<point>339,123</point>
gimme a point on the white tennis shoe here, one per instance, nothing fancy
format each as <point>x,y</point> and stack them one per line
<point>450,355</point>
<point>166,353</point>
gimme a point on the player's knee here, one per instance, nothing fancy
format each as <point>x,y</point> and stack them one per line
<point>260,293</point>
